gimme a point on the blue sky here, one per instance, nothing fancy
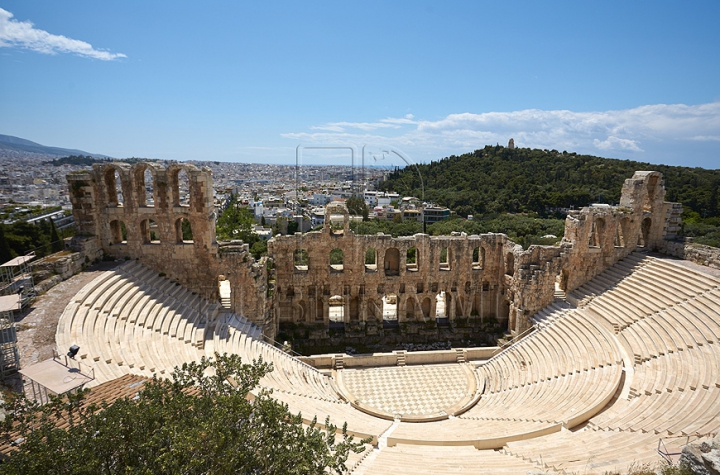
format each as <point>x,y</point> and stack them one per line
<point>248,82</point>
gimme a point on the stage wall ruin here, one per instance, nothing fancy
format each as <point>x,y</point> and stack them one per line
<point>334,278</point>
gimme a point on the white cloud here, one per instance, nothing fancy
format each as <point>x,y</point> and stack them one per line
<point>706,138</point>
<point>342,126</point>
<point>24,35</point>
<point>408,119</point>
<point>615,143</point>
<point>648,132</point>
<point>387,123</point>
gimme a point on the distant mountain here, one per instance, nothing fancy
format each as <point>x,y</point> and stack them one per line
<point>8,142</point>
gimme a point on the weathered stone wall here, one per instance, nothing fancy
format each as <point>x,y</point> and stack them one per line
<point>53,269</point>
<point>596,237</point>
<point>697,253</point>
<point>63,264</point>
<point>151,231</point>
<point>481,277</point>
<point>306,290</point>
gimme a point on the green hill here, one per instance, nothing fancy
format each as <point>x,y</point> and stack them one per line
<point>498,179</point>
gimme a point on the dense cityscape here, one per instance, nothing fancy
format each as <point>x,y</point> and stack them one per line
<point>33,188</point>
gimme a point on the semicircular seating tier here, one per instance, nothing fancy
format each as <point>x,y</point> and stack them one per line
<point>631,359</point>
<point>135,320</point>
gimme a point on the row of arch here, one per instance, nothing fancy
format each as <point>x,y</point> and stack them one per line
<point>336,260</point>
<point>391,307</point>
<point>150,232</point>
<point>144,185</point>
<point>596,238</point>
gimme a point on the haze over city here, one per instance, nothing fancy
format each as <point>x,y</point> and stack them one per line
<point>241,82</point>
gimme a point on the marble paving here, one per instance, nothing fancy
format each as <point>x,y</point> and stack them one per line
<point>409,390</point>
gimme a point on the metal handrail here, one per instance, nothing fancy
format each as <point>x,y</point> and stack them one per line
<point>281,347</point>
<point>66,363</point>
<point>663,451</point>
<point>515,339</point>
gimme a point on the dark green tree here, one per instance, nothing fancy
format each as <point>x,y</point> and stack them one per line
<point>193,424</point>
<point>236,223</point>
<point>187,234</point>
<point>5,252</point>
<point>258,249</point>
<point>292,227</point>
<point>357,206</point>
<point>56,244</point>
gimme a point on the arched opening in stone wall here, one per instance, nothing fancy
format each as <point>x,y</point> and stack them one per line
<point>442,309</point>
<point>144,185</point>
<point>594,237</point>
<point>390,308</point>
<point>301,259</point>
<point>411,308</point>
<point>440,305</point>
<point>620,233</point>
<point>225,292</point>
<point>118,232</point>
<point>371,260</point>
<point>337,260</point>
<point>510,264</point>
<point>599,231</point>
<point>561,281</point>
<point>476,310</point>
<point>149,232</point>
<point>181,188</point>
<point>354,309</point>
<point>426,307</point>
<point>113,184</point>
<point>319,310</point>
<point>644,232</point>
<point>183,231</point>
<point>445,258</point>
<point>478,258</point>
<point>336,311</point>
<point>154,232</point>
<point>392,261</point>
<point>411,259</point>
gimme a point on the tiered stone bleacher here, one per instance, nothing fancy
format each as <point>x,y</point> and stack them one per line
<point>592,389</point>
<point>587,451</point>
<point>134,320</point>
<point>303,388</point>
<point>430,460</point>
<point>665,317</point>
<point>558,376</point>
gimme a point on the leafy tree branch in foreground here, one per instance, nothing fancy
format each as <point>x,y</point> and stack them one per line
<point>198,422</point>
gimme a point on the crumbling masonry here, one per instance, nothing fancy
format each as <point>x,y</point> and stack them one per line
<point>425,280</point>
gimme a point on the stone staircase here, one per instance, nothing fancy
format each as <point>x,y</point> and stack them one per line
<point>551,313</point>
